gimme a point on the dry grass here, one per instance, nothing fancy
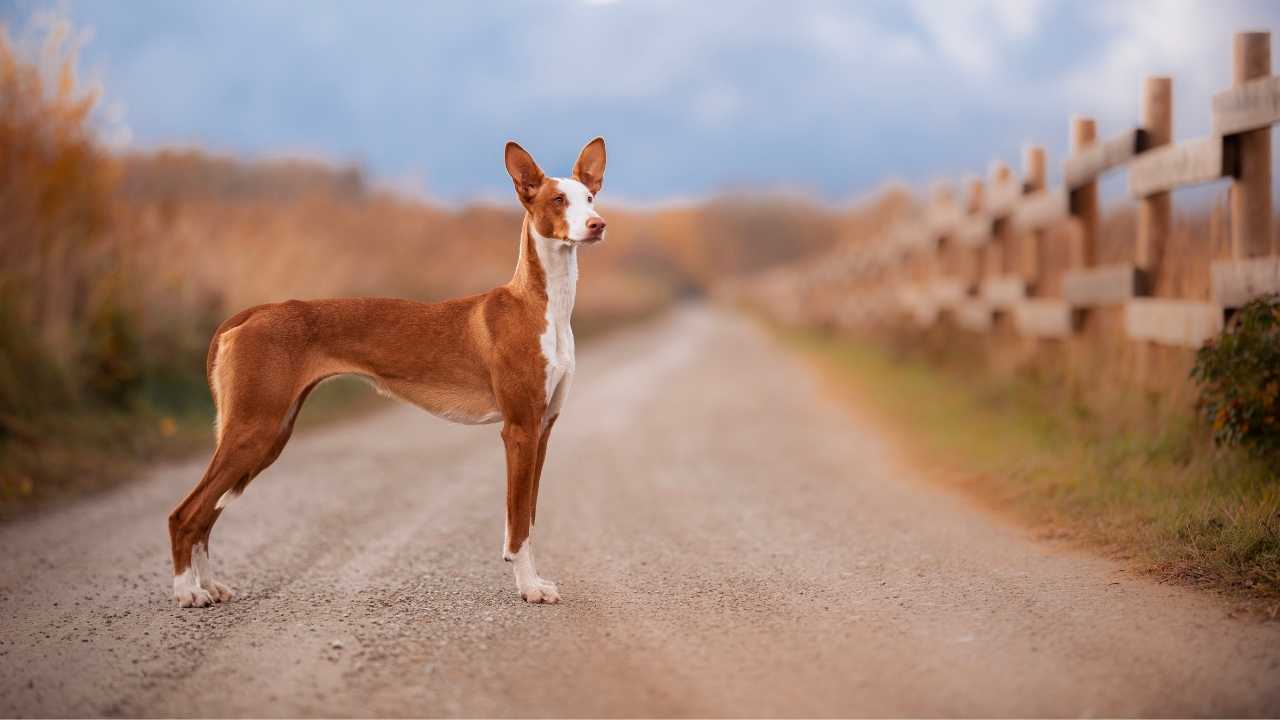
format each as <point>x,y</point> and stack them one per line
<point>114,271</point>
<point>1132,474</point>
<point>1093,436</point>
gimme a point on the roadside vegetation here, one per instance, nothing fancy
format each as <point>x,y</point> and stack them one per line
<point>115,268</point>
<point>102,331</point>
<point>1135,474</point>
<point>1239,376</point>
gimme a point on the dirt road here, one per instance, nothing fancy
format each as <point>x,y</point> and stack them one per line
<point>726,541</point>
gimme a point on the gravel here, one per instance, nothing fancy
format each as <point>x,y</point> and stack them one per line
<point>728,541</point>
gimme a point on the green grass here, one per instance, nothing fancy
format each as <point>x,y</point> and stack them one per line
<point>1155,491</point>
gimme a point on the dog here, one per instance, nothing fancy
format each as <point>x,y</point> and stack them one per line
<point>506,355</point>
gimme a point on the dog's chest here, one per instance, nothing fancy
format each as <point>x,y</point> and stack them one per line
<point>556,340</point>
<point>558,353</point>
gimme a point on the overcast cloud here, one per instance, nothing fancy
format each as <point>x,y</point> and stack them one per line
<point>694,97</point>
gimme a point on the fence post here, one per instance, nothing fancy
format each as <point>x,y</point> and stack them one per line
<point>1084,199</point>
<point>1034,162</point>
<point>1155,212</point>
<point>1251,234</point>
<point>997,251</point>
<point>944,249</point>
<point>973,199</point>
<point>973,257</point>
<point>1035,168</point>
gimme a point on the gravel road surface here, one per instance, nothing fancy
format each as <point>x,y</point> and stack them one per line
<point>727,540</point>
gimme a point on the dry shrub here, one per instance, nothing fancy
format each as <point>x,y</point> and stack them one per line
<point>114,271</point>
<point>207,240</point>
<point>55,264</point>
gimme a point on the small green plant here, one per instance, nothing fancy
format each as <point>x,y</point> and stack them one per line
<point>1239,377</point>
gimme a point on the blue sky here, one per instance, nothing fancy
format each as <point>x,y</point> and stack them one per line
<point>828,98</point>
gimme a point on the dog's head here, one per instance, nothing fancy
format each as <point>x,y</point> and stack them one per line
<point>561,208</point>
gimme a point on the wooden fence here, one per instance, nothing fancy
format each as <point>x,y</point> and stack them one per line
<point>1031,253</point>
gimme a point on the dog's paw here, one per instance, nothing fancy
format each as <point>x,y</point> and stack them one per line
<point>541,591</point>
<point>189,593</point>
<point>192,597</point>
<point>218,591</point>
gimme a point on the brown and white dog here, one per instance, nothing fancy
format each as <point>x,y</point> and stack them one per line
<point>504,355</point>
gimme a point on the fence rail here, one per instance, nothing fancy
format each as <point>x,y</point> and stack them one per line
<point>992,252</point>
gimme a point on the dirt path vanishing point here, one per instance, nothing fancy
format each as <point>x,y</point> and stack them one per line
<point>728,541</point>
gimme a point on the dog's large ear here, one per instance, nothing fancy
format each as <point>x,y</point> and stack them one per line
<point>524,172</point>
<point>589,170</point>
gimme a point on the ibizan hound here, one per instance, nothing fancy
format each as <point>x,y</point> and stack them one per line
<point>504,355</point>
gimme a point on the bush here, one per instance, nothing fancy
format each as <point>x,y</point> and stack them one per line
<point>1239,377</point>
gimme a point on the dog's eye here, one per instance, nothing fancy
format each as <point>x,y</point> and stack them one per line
<point>559,200</point>
<point>590,199</point>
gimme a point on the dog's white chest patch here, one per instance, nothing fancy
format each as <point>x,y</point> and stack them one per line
<point>560,264</point>
<point>557,351</point>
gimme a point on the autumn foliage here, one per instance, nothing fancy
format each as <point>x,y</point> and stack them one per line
<point>115,269</point>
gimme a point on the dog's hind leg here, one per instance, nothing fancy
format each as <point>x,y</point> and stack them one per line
<point>255,422</point>
<point>245,451</point>
<point>192,521</point>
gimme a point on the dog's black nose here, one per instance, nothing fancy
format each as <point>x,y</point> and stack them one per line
<point>596,225</point>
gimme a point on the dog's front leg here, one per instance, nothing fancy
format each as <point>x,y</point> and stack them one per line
<point>522,441</point>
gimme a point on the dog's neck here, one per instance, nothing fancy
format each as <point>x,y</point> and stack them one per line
<point>547,269</point>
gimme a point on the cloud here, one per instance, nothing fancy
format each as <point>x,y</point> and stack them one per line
<point>976,34</point>
<point>853,38</point>
<point>693,96</point>
<point>1187,40</point>
<point>716,106</point>
<point>1019,19</point>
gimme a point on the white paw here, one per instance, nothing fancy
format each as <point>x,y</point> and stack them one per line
<point>540,591</point>
<point>193,597</point>
<point>190,592</point>
<point>218,591</point>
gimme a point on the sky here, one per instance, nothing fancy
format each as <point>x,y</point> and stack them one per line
<point>828,98</point>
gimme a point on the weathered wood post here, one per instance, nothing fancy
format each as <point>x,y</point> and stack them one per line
<point>1084,199</point>
<point>944,254</point>
<point>973,256</point>
<point>1034,160</point>
<point>1155,212</point>
<point>1034,171</point>
<point>997,251</point>
<point>973,200</point>
<point>1251,234</point>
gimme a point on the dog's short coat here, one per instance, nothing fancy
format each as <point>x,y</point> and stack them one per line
<point>504,355</point>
